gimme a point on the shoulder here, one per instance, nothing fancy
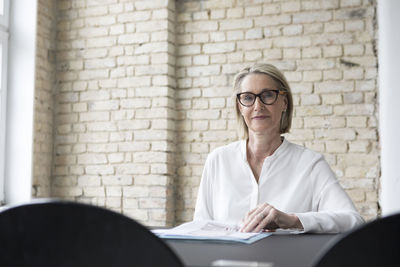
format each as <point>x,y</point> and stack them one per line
<point>303,153</point>
<point>311,163</point>
<point>227,151</point>
<point>304,158</point>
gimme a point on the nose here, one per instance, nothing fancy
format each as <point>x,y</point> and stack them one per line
<point>258,104</point>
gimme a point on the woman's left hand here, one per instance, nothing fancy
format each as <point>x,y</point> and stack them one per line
<point>266,217</point>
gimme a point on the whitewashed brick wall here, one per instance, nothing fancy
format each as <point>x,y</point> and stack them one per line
<point>115,115</point>
<point>326,50</point>
<point>44,104</point>
<point>143,94</point>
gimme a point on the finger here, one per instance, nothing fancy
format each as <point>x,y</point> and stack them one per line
<point>253,223</point>
<point>252,216</point>
<point>252,211</point>
<point>257,219</point>
<point>268,222</point>
<point>257,210</point>
<point>247,216</point>
<point>265,221</point>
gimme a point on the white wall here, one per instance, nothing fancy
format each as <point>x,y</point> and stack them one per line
<point>389,78</point>
<point>20,99</point>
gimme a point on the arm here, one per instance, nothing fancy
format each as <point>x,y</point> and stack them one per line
<point>203,210</point>
<point>336,212</point>
<point>267,217</point>
<point>333,210</point>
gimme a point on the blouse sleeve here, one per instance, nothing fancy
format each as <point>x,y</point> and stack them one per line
<point>203,209</point>
<point>333,210</point>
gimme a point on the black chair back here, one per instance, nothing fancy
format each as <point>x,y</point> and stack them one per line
<point>58,233</point>
<point>376,243</point>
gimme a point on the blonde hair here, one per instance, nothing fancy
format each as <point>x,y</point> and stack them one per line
<point>279,78</point>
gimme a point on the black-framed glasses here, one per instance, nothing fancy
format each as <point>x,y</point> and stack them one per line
<point>268,97</point>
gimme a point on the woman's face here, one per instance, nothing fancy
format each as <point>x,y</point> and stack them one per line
<point>261,118</point>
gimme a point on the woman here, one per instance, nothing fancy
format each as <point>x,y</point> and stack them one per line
<point>264,182</point>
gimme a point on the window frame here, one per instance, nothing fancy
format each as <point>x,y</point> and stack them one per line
<point>4,37</point>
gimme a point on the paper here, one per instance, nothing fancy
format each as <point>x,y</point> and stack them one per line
<point>209,230</point>
<point>240,263</point>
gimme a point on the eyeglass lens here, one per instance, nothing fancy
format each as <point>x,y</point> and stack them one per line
<point>267,97</point>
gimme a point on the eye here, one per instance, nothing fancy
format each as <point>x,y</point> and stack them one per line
<point>268,94</point>
<point>247,97</point>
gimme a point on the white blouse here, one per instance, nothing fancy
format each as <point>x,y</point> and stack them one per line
<point>293,179</point>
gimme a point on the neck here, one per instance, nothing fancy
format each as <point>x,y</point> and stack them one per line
<point>261,146</point>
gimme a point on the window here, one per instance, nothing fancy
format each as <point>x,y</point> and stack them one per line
<point>4,11</point>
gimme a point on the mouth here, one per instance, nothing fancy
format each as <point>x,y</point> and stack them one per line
<point>260,117</point>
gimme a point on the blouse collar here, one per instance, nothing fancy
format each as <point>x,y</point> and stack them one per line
<point>282,147</point>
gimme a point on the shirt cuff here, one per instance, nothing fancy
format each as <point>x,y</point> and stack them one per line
<point>307,221</point>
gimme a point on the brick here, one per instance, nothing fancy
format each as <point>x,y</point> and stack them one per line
<point>335,134</point>
<point>336,146</point>
<point>293,30</point>
<point>310,100</point>
<point>252,11</point>
<point>291,53</point>
<point>94,116</point>
<point>154,47</point>
<point>145,5</point>
<point>235,12</point>
<point>254,34</point>
<point>361,146</point>
<point>203,114</point>
<point>333,39</point>
<point>314,110</point>
<point>151,180</point>
<point>201,60</point>
<point>147,26</point>
<point>218,48</point>
<point>356,121</point>
<point>253,55</point>
<point>254,44</point>
<point>367,85</point>
<point>137,214</point>
<point>311,17</point>
<point>133,38</point>
<point>314,28</point>
<point>354,109</point>
<point>233,24</point>
<point>332,99</point>
<point>89,180</point>
<point>273,20</point>
<point>273,54</point>
<point>203,70</point>
<point>290,7</point>
<point>217,37</point>
<point>94,191</point>
<point>200,125</point>
<point>295,41</point>
<point>232,36</point>
<point>269,9</point>
<point>200,37</point>
<point>201,26</point>
<point>334,87</point>
<point>334,26</point>
<point>353,98</point>
<point>92,159</point>
<point>189,50</point>
<point>353,50</point>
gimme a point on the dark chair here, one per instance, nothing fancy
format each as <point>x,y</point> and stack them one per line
<point>376,243</point>
<point>58,233</point>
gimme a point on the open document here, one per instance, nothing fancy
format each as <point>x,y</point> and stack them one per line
<point>209,230</point>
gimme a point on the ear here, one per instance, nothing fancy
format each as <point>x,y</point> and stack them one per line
<point>240,107</point>
<point>285,103</point>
